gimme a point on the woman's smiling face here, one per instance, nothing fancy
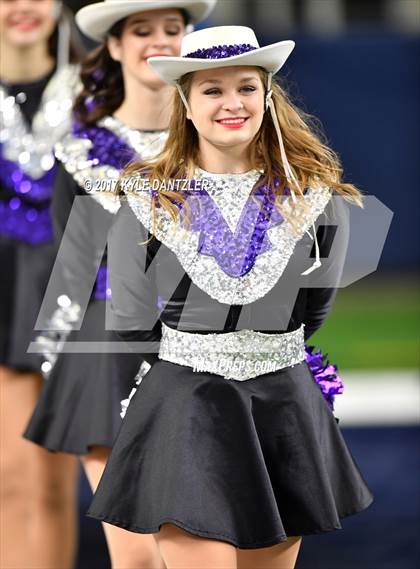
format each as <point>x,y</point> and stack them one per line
<point>24,23</point>
<point>147,34</point>
<point>226,105</point>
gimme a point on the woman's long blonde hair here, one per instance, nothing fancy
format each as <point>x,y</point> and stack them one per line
<point>313,162</point>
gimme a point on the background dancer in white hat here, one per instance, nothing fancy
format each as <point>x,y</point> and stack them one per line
<point>122,114</point>
<point>226,462</point>
<point>39,45</point>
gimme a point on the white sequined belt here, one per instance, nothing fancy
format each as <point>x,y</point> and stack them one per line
<point>235,355</point>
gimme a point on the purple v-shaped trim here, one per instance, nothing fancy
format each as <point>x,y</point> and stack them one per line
<point>235,253</point>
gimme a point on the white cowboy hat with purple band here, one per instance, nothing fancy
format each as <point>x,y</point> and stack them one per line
<point>97,19</point>
<point>221,46</point>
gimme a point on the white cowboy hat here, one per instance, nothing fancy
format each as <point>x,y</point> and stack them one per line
<point>221,46</point>
<point>96,20</point>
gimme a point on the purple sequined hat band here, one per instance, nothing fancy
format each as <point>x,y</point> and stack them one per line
<point>221,51</point>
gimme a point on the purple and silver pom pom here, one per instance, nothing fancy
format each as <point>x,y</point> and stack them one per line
<point>325,374</point>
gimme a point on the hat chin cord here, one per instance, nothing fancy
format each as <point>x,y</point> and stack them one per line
<point>290,176</point>
<point>183,97</point>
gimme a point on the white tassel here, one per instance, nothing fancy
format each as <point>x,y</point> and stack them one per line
<point>317,263</point>
<point>144,368</point>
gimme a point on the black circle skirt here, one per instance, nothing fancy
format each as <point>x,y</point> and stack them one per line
<point>26,271</point>
<point>247,462</point>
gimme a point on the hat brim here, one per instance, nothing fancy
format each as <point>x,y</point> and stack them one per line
<point>95,20</point>
<point>271,58</point>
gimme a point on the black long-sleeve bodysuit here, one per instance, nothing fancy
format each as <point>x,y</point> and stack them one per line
<point>147,278</point>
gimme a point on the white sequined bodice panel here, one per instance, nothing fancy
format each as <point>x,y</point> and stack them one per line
<point>228,214</point>
<point>32,148</point>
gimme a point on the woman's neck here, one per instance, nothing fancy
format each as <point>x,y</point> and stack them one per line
<point>224,160</point>
<point>25,65</point>
<point>144,108</point>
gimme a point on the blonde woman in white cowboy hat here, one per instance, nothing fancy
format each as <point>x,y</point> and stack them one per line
<point>121,114</point>
<point>229,453</point>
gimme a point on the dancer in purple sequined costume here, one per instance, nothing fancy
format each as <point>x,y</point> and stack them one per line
<point>37,87</point>
<point>122,114</point>
<point>38,83</point>
<point>229,451</point>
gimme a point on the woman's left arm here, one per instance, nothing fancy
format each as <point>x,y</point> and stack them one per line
<point>324,282</point>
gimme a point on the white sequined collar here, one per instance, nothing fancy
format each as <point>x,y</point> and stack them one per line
<point>147,143</point>
<point>32,149</point>
<point>100,181</point>
<point>203,269</point>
